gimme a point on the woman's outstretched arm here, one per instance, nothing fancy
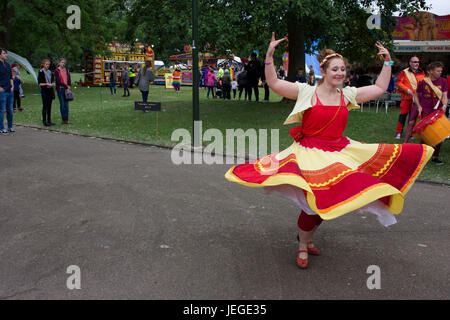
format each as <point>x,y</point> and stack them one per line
<point>282,87</point>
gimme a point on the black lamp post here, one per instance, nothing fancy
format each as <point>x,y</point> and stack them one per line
<point>195,74</point>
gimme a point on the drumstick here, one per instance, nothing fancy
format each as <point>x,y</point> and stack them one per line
<point>437,104</point>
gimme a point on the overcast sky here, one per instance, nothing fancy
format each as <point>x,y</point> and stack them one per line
<point>439,7</point>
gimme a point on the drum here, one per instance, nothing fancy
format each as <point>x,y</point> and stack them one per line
<point>433,129</point>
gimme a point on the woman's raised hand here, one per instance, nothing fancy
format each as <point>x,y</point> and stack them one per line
<point>272,45</point>
<point>383,52</point>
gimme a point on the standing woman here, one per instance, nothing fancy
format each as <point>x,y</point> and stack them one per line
<point>145,76</point>
<point>125,79</point>
<point>211,79</point>
<point>325,173</point>
<point>63,83</point>
<point>112,79</point>
<point>46,81</point>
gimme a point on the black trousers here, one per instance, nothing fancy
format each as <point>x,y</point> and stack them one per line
<point>47,99</point>
<point>243,88</point>
<point>266,92</point>
<point>226,94</point>
<point>255,88</point>
<point>16,103</point>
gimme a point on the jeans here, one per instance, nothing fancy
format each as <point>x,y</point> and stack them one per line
<point>144,96</point>
<point>125,89</point>
<point>112,84</point>
<point>6,102</point>
<point>63,104</point>
<point>210,89</point>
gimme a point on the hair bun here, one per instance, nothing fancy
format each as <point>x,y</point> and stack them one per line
<point>323,53</point>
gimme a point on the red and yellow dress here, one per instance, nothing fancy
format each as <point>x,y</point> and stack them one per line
<point>328,174</point>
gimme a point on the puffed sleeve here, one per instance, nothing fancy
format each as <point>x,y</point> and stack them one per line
<point>350,95</point>
<point>305,92</point>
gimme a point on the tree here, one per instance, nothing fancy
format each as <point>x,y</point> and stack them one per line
<point>241,26</point>
<point>38,28</point>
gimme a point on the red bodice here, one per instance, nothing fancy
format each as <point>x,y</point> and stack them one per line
<point>322,127</point>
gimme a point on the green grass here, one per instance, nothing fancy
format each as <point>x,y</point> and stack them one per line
<point>95,112</point>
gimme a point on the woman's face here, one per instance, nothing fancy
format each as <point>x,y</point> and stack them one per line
<point>335,73</point>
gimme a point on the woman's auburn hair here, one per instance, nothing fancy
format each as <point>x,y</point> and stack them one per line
<point>326,52</point>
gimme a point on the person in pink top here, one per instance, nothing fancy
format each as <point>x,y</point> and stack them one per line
<point>210,82</point>
<point>63,83</point>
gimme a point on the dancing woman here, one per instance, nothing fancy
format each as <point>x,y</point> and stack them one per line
<point>326,174</point>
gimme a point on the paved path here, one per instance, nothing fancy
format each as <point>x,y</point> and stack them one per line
<point>139,227</point>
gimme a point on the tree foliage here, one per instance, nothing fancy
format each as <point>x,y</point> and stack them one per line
<point>242,26</point>
<point>38,28</point>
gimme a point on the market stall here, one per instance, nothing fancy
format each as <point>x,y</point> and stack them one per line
<point>97,68</point>
<point>426,35</point>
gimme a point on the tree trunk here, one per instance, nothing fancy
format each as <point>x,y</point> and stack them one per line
<point>296,48</point>
<point>7,13</point>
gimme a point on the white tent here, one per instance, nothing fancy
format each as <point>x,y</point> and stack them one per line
<point>311,60</point>
<point>15,58</point>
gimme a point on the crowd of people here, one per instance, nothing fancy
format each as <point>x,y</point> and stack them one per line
<point>130,75</point>
<point>421,92</point>
<point>237,82</point>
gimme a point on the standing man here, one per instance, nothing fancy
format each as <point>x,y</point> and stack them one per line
<point>254,72</point>
<point>6,92</point>
<point>407,82</point>
<point>242,83</point>
<point>226,85</point>
<point>131,75</point>
<point>266,87</point>
<point>431,95</point>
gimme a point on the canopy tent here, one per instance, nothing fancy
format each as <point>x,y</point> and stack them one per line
<point>15,58</point>
<point>236,61</point>
<point>312,60</point>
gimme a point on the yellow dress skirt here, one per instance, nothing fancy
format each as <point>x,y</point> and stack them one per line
<point>328,174</point>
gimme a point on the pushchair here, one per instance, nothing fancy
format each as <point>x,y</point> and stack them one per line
<point>219,89</point>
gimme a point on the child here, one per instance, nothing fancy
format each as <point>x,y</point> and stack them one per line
<point>234,85</point>
<point>17,83</point>
<point>176,79</point>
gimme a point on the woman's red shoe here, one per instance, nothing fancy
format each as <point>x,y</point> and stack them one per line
<point>313,250</point>
<point>302,263</point>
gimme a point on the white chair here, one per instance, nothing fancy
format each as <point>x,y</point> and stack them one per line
<point>386,99</point>
<point>369,104</point>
